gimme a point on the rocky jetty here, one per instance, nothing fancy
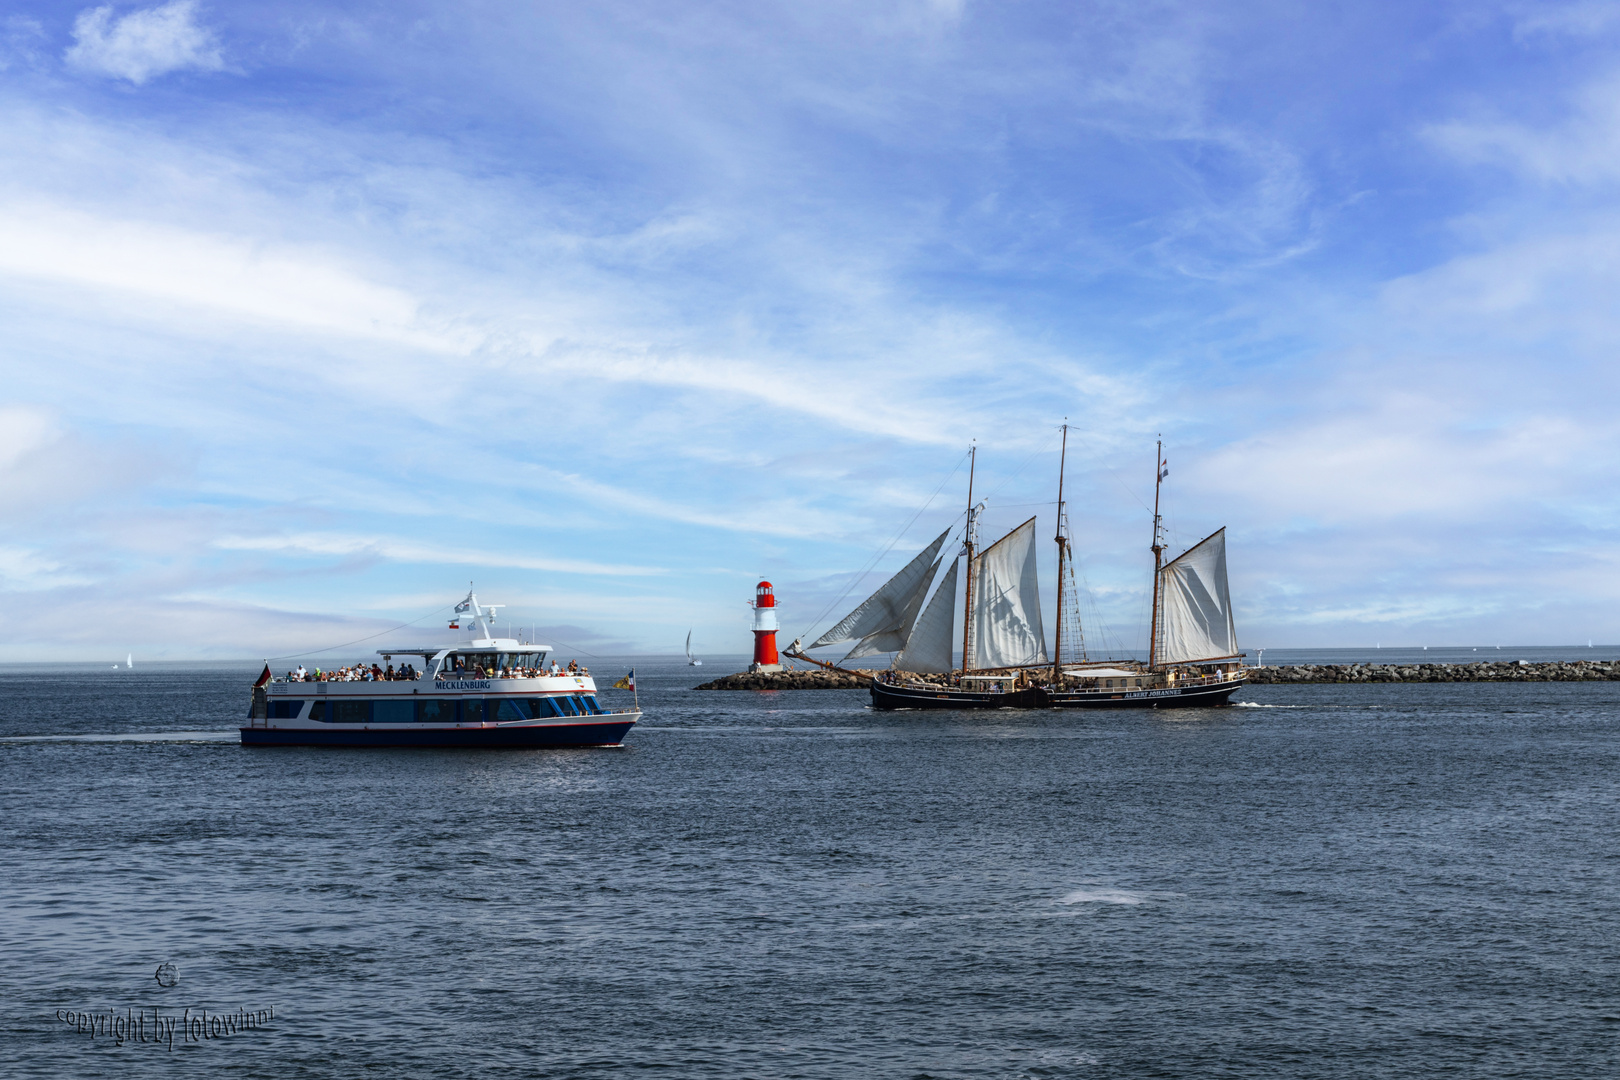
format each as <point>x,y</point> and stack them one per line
<point>1501,671</point>
<point>819,679</point>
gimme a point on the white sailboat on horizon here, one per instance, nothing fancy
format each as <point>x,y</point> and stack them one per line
<point>691,661</point>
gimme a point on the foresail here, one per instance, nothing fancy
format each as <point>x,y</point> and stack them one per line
<point>1197,606</point>
<point>929,647</point>
<point>1007,628</point>
<point>891,610</point>
<point>893,640</point>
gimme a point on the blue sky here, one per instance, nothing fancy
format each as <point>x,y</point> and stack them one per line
<point>310,314</point>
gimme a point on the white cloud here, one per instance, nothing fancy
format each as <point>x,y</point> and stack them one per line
<point>23,569</point>
<point>409,551</point>
<point>143,44</point>
<point>301,289</point>
<point>20,38</point>
<point>1582,148</point>
<point>1584,18</point>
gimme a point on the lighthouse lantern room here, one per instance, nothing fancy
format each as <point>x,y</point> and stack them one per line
<point>765,627</point>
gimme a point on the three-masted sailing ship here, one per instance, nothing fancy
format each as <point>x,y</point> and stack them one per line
<point>1193,659</point>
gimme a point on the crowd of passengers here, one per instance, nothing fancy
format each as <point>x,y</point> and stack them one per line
<point>407,672</point>
<point>478,671</point>
<point>356,673</point>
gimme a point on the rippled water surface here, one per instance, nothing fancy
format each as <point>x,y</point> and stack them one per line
<point>1356,881</point>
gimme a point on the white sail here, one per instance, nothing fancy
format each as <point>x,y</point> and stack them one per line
<point>1007,603</point>
<point>689,644</point>
<point>894,640</point>
<point>929,647</point>
<point>1196,612</point>
<point>883,622</point>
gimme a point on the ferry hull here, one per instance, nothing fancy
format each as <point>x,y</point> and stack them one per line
<point>1210,696</point>
<point>885,696</point>
<point>607,732</point>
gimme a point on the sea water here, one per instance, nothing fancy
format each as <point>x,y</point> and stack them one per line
<point>1324,881</point>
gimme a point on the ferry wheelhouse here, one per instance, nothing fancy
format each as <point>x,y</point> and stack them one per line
<point>484,691</point>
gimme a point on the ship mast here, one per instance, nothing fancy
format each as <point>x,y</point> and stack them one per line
<point>967,599</point>
<point>1062,544</point>
<point>1158,554</point>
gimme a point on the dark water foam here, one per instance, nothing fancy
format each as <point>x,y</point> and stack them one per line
<point>1407,880</point>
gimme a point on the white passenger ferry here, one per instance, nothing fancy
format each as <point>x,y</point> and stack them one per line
<point>485,691</point>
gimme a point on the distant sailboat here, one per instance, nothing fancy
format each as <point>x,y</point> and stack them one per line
<point>690,660</point>
<point>129,661</point>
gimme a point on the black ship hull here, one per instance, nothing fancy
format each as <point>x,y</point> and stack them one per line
<point>1204,696</point>
<point>885,696</point>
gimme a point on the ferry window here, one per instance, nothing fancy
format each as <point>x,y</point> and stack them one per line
<point>1108,683</point>
<point>317,711</point>
<point>543,707</point>
<point>285,710</point>
<point>472,712</point>
<point>591,705</point>
<point>1138,682</point>
<point>570,704</point>
<point>436,711</point>
<point>392,712</point>
<point>351,712</point>
<point>513,709</point>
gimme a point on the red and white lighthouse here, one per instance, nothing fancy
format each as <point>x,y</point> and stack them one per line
<point>765,627</point>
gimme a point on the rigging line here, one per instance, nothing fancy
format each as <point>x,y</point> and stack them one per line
<point>874,560</point>
<point>1005,480</point>
<point>1110,471</point>
<point>576,648</point>
<point>356,641</point>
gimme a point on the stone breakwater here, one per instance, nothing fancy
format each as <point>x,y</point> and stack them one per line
<point>819,679</point>
<point>1502,671</point>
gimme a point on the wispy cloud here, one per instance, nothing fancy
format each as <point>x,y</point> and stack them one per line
<point>621,305</point>
<point>143,44</point>
<point>407,551</point>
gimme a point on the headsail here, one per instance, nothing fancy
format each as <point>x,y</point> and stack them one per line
<point>883,622</point>
<point>1197,616</point>
<point>929,647</point>
<point>1007,628</point>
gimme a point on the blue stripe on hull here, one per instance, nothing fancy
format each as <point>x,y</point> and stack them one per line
<point>605,734</point>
